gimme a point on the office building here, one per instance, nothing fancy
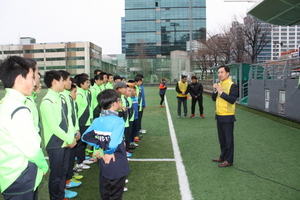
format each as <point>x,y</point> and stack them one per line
<point>155,28</point>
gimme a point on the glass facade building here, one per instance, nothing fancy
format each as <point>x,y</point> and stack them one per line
<point>155,28</point>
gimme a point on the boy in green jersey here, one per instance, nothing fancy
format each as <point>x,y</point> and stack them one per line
<point>58,138</point>
<point>22,162</point>
<point>96,89</point>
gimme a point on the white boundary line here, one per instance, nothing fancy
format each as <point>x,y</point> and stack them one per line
<point>151,159</point>
<point>182,177</point>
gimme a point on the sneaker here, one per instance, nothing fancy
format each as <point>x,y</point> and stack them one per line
<point>161,106</point>
<point>192,116</point>
<point>70,194</point>
<point>134,144</point>
<point>201,116</point>
<point>87,162</point>
<point>178,116</point>
<point>65,199</point>
<point>128,151</point>
<point>137,137</point>
<point>89,151</point>
<point>75,180</point>
<point>131,147</point>
<point>77,176</point>
<point>76,169</point>
<point>136,140</point>
<point>125,189</point>
<point>126,181</point>
<point>128,154</point>
<point>185,116</point>
<point>72,184</point>
<point>142,131</point>
<point>82,166</point>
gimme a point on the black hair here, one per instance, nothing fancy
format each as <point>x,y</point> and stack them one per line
<point>12,67</point>
<point>117,77</point>
<point>137,79</point>
<point>108,75</point>
<point>40,74</point>
<point>140,75</point>
<point>72,87</point>
<point>194,77</point>
<point>65,74</point>
<point>226,68</point>
<point>130,81</point>
<point>82,74</point>
<point>183,76</point>
<point>103,73</point>
<point>32,63</point>
<point>74,81</point>
<point>107,97</point>
<point>96,71</point>
<point>99,77</point>
<point>81,80</point>
<point>50,76</point>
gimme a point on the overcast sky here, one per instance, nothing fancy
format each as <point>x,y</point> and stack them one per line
<point>97,21</point>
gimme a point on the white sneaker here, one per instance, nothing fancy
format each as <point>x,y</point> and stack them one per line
<point>82,166</point>
<point>87,162</point>
<point>134,144</point>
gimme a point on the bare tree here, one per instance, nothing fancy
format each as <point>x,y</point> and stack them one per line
<point>201,59</point>
<point>257,36</point>
<point>142,63</point>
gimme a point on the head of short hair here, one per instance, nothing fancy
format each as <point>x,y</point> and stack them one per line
<point>73,87</point>
<point>163,79</point>
<point>137,79</point>
<point>81,80</point>
<point>82,74</point>
<point>194,77</point>
<point>226,68</point>
<point>96,71</point>
<point>32,63</point>
<point>12,67</point>
<point>117,77</point>
<point>74,81</point>
<point>99,77</point>
<point>103,73</point>
<point>50,76</point>
<point>140,75</point>
<point>183,76</point>
<point>64,74</point>
<point>106,98</point>
<point>108,75</point>
<point>131,81</point>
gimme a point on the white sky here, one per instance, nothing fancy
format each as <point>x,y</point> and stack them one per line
<point>97,21</point>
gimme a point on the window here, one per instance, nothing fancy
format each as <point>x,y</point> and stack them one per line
<point>281,102</point>
<point>38,59</point>
<point>55,50</point>
<point>267,99</point>
<point>75,58</point>
<point>75,49</point>
<point>52,59</point>
<point>13,52</point>
<point>35,51</point>
<point>55,67</point>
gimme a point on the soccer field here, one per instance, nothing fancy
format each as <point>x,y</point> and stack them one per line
<point>266,162</point>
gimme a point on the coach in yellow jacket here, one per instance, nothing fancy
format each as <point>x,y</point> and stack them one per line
<point>182,89</point>
<point>225,94</point>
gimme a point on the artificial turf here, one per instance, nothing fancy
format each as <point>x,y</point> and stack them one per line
<point>266,151</point>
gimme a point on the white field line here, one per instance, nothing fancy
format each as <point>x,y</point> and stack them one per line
<point>182,177</point>
<point>151,159</point>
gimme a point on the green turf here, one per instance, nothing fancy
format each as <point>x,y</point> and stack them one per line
<point>264,144</point>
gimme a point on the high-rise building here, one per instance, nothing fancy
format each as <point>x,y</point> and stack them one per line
<point>123,35</point>
<point>155,28</point>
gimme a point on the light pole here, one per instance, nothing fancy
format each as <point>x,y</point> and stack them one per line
<point>174,24</point>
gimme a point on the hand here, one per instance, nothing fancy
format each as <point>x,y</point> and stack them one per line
<point>44,174</point>
<point>124,108</point>
<point>183,92</point>
<point>218,88</point>
<point>73,144</point>
<point>78,135</point>
<point>108,157</point>
<point>196,97</point>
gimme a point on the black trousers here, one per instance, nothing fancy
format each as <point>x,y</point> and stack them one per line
<point>22,187</point>
<point>162,97</point>
<point>200,103</point>
<point>225,133</point>
<point>81,146</point>
<point>140,120</point>
<point>113,189</point>
<point>71,163</point>
<point>181,100</point>
<point>135,130</point>
<point>59,165</point>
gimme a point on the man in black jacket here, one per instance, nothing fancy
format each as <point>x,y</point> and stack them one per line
<point>196,90</point>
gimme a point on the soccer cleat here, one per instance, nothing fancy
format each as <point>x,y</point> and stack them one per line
<point>87,162</point>
<point>178,116</point>
<point>82,166</point>
<point>134,144</point>
<point>76,169</point>
<point>70,194</point>
<point>142,131</point>
<point>128,154</point>
<point>75,180</point>
<point>138,137</point>
<point>161,106</point>
<point>201,116</point>
<point>126,181</point>
<point>72,184</point>
<point>192,116</point>
<point>136,140</point>
<point>125,189</point>
<point>89,150</point>
<point>77,176</point>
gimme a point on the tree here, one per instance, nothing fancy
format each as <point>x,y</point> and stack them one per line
<point>257,36</point>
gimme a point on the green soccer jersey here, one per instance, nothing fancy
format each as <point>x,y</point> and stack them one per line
<point>31,104</point>
<point>71,126</point>
<point>84,102</point>
<point>19,140</point>
<point>95,89</point>
<point>55,122</point>
<point>109,85</point>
